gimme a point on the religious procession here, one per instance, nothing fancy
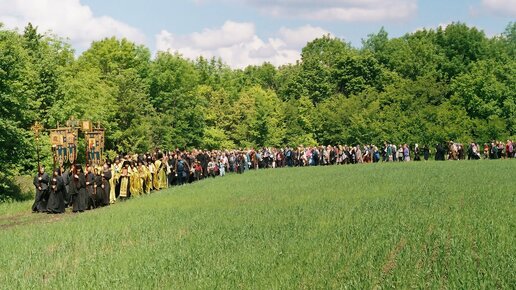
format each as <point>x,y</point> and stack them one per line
<point>102,182</point>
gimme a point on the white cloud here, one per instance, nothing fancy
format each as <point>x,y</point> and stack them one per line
<point>237,44</point>
<point>334,10</point>
<point>229,34</point>
<point>298,37</point>
<point>66,18</point>
<point>500,7</point>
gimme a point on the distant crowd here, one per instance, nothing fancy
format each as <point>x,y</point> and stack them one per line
<point>85,188</point>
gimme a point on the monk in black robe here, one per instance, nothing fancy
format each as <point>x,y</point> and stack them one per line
<point>98,195</point>
<point>66,176</point>
<point>56,202</point>
<point>41,183</point>
<point>105,186</point>
<point>78,190</point>
<point>90,188</point>
<point>426,152</point>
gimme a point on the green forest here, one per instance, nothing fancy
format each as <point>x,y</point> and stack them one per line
<point>432,85</point>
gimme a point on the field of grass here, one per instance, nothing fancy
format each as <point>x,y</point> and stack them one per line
<point>411,225</point>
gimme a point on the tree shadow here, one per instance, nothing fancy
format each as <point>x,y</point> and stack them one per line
<point>15,188</point>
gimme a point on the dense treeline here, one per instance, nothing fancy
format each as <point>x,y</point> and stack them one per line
<point>452,83</point>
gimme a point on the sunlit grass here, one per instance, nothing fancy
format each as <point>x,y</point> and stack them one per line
<point>420,225</point>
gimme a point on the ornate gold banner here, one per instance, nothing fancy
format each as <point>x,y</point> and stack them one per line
<point>64,143</point>
<point>86,126</point>
<point>71,138</point>
<point>58,136</point>
<point>95,141</point>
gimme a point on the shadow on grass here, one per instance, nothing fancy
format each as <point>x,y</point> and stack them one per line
<point>16,188</point>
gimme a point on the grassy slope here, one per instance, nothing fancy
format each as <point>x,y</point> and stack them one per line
<point>424,225</point>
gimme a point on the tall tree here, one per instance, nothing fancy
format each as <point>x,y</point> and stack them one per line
<point>173,81</point>
<point>318,63</point>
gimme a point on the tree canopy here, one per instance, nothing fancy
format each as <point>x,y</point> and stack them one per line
<point>432,85</point>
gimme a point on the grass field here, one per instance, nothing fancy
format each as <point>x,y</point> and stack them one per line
<point>411,225</point>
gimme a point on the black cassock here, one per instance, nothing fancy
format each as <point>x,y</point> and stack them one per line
<point>78,192</point>
<point>41,199</point>
<point>99,191</point>
<point>103,187</point>
<point>90,191</point>
<point>56,202</point>
<point>66,176</point>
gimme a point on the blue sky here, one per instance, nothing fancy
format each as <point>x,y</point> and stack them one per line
<point>247,31</point>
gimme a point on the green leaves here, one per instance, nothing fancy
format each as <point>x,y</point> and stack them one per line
<point>215,138</point>
<point>428,86</point>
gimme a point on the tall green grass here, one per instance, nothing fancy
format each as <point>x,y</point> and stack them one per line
<point>410,225</point>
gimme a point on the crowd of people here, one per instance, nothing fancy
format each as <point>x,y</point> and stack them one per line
<point>129,176</point>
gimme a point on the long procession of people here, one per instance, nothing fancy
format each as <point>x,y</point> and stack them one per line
<point>85,188</point>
